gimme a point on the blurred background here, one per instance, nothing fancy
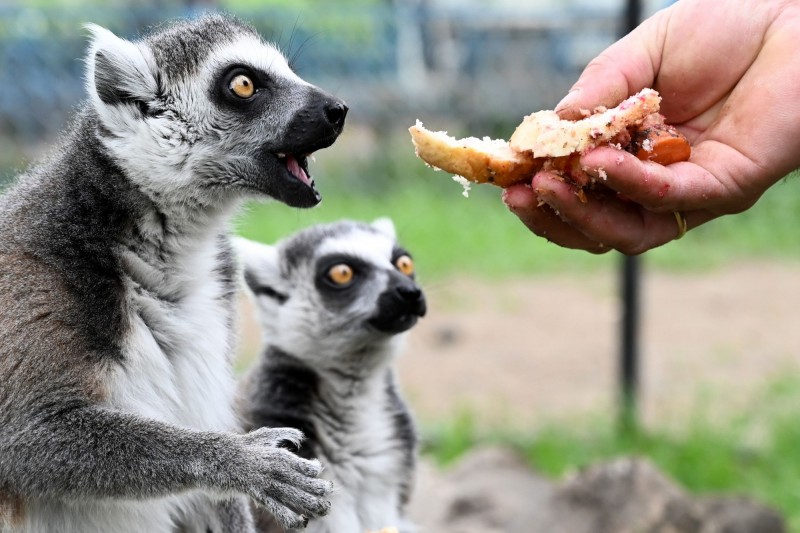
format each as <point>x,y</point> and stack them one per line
<point>521,345</point>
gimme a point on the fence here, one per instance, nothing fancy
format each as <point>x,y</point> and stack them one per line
<point>389,61</point>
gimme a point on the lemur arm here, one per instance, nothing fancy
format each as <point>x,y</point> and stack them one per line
<point>103,453</point>
<point>58,438</point>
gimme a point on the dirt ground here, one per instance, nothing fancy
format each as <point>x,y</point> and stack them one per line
<point>541,348</point>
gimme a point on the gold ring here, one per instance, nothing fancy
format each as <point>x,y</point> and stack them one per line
<point>682,227</point>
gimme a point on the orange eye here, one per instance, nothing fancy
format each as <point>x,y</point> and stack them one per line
<point>405,265</point>
<point>242,86</point>
<point>341,274</point>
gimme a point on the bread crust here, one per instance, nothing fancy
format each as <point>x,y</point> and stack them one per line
<point>478,160</point>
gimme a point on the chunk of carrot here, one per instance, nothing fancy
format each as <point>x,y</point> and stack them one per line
<point>663,146</point>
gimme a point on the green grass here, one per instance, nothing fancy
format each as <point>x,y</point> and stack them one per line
<point>448,233</point>
<point>756,452</point>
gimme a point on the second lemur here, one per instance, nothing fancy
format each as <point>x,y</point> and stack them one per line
<point>333,302</point>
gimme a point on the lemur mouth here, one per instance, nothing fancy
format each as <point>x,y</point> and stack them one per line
<point>297,165</point>
<point>287,179</point>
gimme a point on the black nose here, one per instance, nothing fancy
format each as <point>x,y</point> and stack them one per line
<point>399,306</point>
<point>412,298</point>
<point>335,113</point>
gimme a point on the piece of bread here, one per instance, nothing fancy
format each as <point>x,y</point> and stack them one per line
<point>543,140</point>
<point>478,160</point>
<point>544,134</point>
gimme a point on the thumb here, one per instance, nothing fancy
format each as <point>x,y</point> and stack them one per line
<point>622,69</point>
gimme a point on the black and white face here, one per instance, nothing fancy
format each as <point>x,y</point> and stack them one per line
<point>206,110</point>
<point>347,284</point>
<point>281,120</point>
<point>334,289</point>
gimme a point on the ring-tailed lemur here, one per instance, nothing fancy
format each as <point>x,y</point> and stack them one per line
<point>117,286</point>
<point>333,302</point>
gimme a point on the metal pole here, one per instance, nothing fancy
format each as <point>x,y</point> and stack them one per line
<point>629,355</point>
<point>631,282</point>
<point>633,15</point>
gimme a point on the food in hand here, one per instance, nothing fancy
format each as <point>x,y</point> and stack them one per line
<point>661,143</point>
<point>545,141</point>
<point>478,160</point>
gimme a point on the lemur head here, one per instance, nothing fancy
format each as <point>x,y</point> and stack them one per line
<point>334,290</point>
<point>204,110</point>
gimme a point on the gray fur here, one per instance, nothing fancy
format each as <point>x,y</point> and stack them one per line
<point>326,366</point>
<point>117,283</point>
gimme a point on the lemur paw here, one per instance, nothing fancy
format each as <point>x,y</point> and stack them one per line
<point>288,486</point>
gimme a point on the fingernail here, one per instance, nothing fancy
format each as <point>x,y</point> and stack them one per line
<point>513,198</point>
<point>568,100</point>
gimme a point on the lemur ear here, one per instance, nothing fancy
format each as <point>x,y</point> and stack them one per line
<point>260,263</point>
<point>119,71</point>
<point>385,226</point>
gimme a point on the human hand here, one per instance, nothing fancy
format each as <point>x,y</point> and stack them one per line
<point>730,81</point>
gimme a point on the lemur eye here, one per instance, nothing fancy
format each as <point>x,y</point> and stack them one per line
<point>242,86</point>
<point>405,265</point>
<point>341,274</point>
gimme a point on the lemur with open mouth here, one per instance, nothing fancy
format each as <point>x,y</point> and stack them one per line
<point>117,290</point>
<point>334,302</point>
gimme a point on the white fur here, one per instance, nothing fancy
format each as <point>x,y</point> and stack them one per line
<point>136,61</point>
<point>249,50</point>
<point>375,248</point>
<point>385,226</point>
<point>368,485</point>
<point>190,385</point>
<point>79,517</point>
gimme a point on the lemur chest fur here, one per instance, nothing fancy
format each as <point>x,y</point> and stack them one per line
<point>364,457</point>
<point>176,354</point>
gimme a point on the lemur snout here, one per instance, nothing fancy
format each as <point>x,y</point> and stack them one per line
<point>399,307</point>
<point>315,125</point>
<point>318,123</point>
<point>412,298</point>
